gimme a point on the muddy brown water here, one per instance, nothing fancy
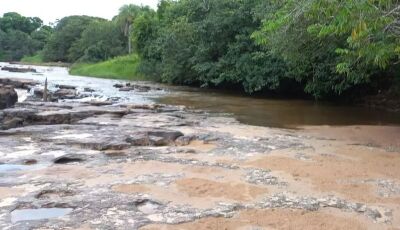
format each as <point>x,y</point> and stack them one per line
<point>281,113</point>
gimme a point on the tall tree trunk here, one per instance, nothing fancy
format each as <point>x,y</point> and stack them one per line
<point>129,39</point>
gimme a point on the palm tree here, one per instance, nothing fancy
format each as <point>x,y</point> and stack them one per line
<point>126,17</point>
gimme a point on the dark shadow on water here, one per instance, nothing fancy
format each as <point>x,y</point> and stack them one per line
<point>281,113</point>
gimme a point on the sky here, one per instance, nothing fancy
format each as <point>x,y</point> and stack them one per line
<point>51,10</point>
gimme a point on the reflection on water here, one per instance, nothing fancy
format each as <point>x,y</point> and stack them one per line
<point>279,113</point>
<point>38,214</point>
<point>11,168</point>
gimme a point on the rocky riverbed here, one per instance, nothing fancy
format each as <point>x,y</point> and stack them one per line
<point>115,164</point>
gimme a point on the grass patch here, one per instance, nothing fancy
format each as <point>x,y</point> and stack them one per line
<point>124,67</point>
<point>36,59</point>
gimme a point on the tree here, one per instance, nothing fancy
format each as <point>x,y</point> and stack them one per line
<point>127,15</point>
<point>333,46</point>
<point>41,36</point>
<point>66,33</point>
<point>20,36</point>
<point>15,21</point>
<point>207,43</point>
<point>100,41</point>
<point>15,45</point>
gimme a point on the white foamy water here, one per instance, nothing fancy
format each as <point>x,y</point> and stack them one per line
<point>22,94</point>
<point>104,89</point>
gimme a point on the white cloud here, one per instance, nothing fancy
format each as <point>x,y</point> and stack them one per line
<point>51,10</point>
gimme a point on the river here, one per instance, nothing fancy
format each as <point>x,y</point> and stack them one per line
<point>164,167</point>
<point>254,111</point>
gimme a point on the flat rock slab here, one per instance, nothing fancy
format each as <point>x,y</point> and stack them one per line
<point>125,166</point>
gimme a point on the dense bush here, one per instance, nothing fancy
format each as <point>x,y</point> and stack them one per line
<point>334,45</point>
<point>207,43</point>
<point>328,47</point>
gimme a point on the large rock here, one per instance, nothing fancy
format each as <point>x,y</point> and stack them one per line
<point>65,94</point>
<point>135,87</point>
<point>19,83</point>
<point>18,70</point>
<point>126,89</point>
<point>88,90</point>
<point>142,88</point>
<point>8,97</point>
<point>66,86</point>
<point>118,86</point>
<point>38,92</point>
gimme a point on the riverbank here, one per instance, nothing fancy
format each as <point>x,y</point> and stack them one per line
<point>157,166</point>
<point>124,68</point>
<point>47,64</point>
<point>37,60</point>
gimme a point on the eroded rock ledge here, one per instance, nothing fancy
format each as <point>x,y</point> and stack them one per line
<point>127,166</point>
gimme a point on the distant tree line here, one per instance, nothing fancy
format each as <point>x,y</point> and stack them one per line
<point>90,39</point>
<point>321,48</point>
<point>72,39</point>
<point>21,36</point>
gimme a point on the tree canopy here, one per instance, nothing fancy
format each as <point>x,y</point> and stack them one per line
<point>325,47</point>
<point>20,36</point>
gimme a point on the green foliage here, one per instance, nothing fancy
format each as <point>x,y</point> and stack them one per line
<point>66,33</point>
<point>41,36</point>
<point>36,59</point>
<point>327,47</point>
<point>15,21</point>
<point>16,44</point>
<point>100,41</point>
<point>21,36</point>
<point>89,39</point>
<point>126,17</point>
<point>207,43</point>
<point>118,68</point>
<point>333,45</point>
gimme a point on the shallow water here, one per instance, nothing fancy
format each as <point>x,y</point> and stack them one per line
<point>4,168</point>
<point>249,110</point>
<point>11,168</point>
<point>38,214</point>
<point>148,208</point>
<point>279,112</point>
<point>59,76</point>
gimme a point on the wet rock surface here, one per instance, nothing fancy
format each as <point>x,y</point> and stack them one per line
<point>127,166</point>
<point>135,87</point>
<point>18,70</point>
<point>8,96</point>
<point>19,83</point>
<point>66,86</point>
